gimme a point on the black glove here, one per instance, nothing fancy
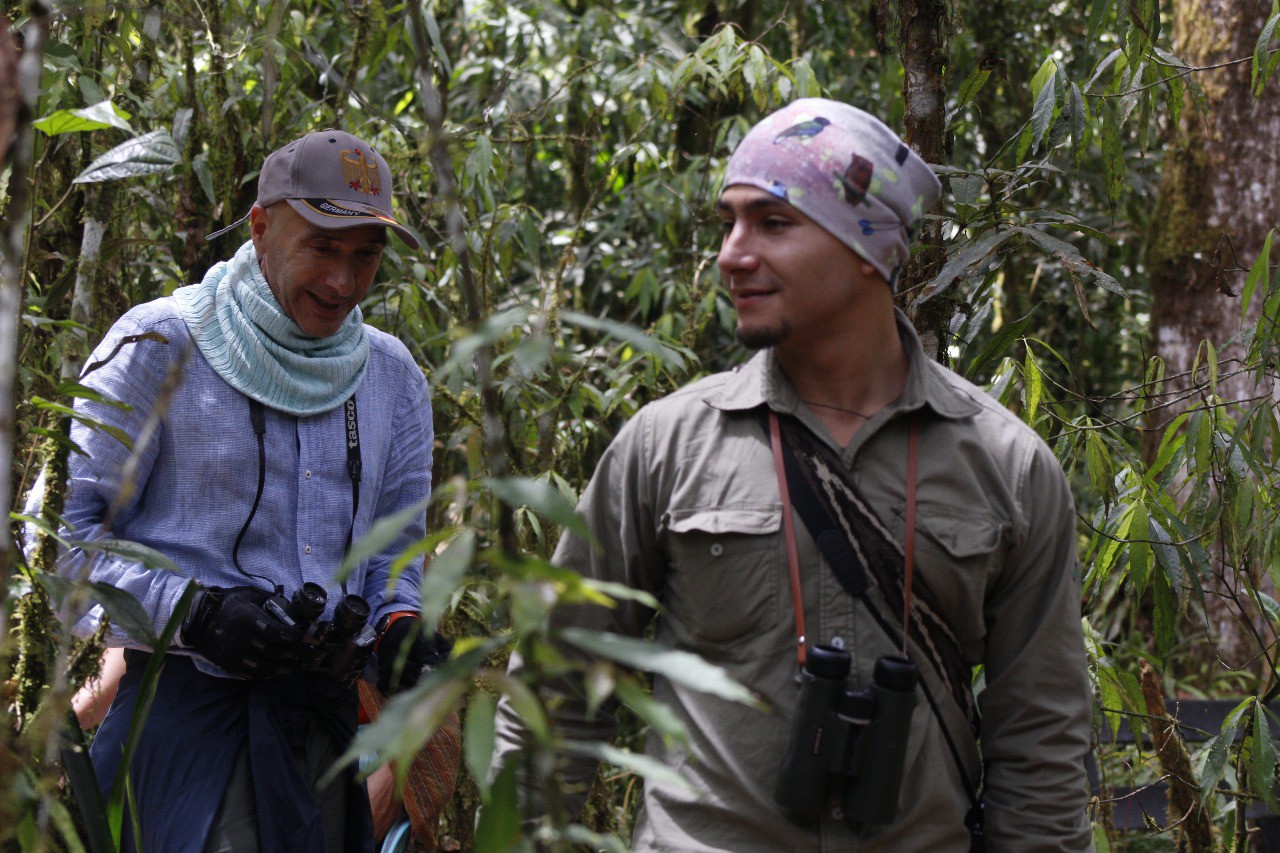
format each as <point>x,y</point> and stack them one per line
<point>232,629</point>
<point>404,653</point>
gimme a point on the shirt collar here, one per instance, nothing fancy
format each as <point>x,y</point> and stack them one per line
<point>761,381</point>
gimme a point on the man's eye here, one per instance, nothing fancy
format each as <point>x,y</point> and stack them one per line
<point>776,222</point>
<point>726,225</point>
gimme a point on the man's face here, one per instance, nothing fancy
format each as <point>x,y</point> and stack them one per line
<point>788,277</point>
<point>317,275</point>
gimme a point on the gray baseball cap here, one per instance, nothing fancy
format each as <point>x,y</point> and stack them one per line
<point>333,180</point>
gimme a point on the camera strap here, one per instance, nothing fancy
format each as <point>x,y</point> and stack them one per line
<point>351,440</point>
<point>855,544</point>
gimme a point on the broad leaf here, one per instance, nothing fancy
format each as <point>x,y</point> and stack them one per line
<point>97,117</point>
<point>144,155</point>
<point>381,536</point>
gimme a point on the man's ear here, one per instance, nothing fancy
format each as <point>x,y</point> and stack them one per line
<point>259,220</point>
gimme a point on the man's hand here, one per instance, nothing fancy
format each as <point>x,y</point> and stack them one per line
<point>385,803</point>
<point>404,652</point>
<point>231,628</point>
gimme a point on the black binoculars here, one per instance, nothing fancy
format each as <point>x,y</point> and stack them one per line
<point>338,647</point>
<point>851,741</point>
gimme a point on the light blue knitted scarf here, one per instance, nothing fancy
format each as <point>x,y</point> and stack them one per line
<point>252,344</point>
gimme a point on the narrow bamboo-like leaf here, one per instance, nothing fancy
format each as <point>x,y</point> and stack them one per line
<point>1043,111</point>
<point>1166,616</point>
<point>966,258</point>
<point>653,771</point>
<point>142,710</point>
<point>542,498</point>
<point>498,826</point>
<point>971,86</point>
<point>1261,66</point>
<point>1166,555</point>
<point>679,667</point>
<point>1079,125</point>
<point>479,738</point>
<point>1097,13</point>
<point>1218,751</point>
<point>1112,155</point>
<point>144,155</point>
<point>1032,387</point>
<point>1259,274</point>
<point>1262,765</point>
<point>380,536</point>
<point>661,719</point>
<point>1139,550</point>
<point>1174,439</point>
<point>444,575</point>
<point>134,552</point>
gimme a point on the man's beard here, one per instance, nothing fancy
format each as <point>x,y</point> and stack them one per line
<point>765,336</point>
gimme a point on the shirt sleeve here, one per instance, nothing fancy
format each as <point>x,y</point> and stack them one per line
<point>407,481</point>
<point>618,508</point>
<point>1036,705</point>
<point>107,478</point>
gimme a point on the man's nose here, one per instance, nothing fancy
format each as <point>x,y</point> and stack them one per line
<point>341,279</point>
<point>736,250</point>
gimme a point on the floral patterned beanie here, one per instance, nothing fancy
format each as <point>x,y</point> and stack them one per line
<point>845,170</point>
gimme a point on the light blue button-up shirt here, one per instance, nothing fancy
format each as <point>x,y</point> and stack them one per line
<point>191,484</point>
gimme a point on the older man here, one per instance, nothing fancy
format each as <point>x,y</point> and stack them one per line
<point>797,515</point>
<point>284,428</point>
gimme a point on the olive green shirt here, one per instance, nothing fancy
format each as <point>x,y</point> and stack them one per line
<point>685,504</point>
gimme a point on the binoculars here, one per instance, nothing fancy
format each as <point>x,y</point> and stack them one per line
<point>852,741</point>
<point>338,647</point>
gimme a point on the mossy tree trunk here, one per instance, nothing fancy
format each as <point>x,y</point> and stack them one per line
<point>1218,198</point>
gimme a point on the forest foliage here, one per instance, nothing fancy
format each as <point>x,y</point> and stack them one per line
<point>560,160</point>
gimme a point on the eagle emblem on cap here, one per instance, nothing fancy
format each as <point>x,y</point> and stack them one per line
<point>360,174</point>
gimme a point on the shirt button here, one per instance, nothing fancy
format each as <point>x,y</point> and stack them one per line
<point>308,474</point>
<point>717,549</point>
<point>838,642</point>
<point>307,550</point>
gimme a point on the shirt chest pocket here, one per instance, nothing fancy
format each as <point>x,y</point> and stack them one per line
<point>723,581</point>
<point>958,557</point>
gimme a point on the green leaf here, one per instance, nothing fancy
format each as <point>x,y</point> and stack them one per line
<point>653,771</point>
<point>381,535</point>
<point>97,117</point>
<point>479,738</point>
<point>498,826</point>
<point>965,258</point>
<point>660,717</point>
<point>626,333</point>
<point>1263,61</point>
<point>1259,274</point>
<point>144,155</point>
<point>1218,750</point>
<point>1046,100</point>
<point>123,609</point>
<point>134,552</point>
<point>1139,550</point>
<point>1033,387</point>
<point>971,86</point>
<point>678,667</point>
<point>1113,155</point>
<point>444,575</point>
<point>999,342</point>
<point>1079,125</point>
<point>1262,765</point>
<point>542,498</point>
<point>1166,616</point>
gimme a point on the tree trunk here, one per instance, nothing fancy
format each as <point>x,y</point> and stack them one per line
<point>923,47</point>
<point>1217,201</point>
